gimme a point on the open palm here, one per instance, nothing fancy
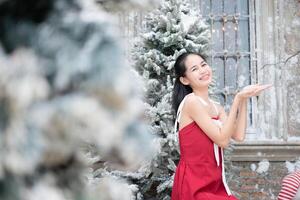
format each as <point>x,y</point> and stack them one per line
<point>253,90</point>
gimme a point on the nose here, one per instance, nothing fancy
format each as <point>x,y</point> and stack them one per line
<point>203,72</point>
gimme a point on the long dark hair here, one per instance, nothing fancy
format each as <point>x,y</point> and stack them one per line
<point>180,90</point>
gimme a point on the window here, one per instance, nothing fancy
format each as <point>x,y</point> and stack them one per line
<point>231,55</point>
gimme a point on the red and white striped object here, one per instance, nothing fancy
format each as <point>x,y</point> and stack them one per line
<point>289,187</point>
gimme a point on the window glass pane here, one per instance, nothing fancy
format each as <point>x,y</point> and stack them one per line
<point>217,37</point>
<point>218,75</point>
<point>230,7</point>
<point>243,74</point>
<point>243,32</point>
<point>230,73</point>
<point>229,101</point>
<point>205,6</point>
<point>217,7</point>
<point>218,65</point>
<point>243,7</point>
<point>230,78</point>
<point>230,36</point>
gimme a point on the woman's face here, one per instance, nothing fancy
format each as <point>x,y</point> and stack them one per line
<point>198,73</point>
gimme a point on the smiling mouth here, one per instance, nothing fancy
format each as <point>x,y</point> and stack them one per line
<point>205,77</point>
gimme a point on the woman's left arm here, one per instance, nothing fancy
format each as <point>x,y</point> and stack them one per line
<point>241,122</point>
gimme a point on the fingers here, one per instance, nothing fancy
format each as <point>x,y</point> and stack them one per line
<point>261,88</point>
<point>267,86</point>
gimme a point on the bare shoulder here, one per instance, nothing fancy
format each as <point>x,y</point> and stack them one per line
<point>193,101</point>
<point>194,105</point>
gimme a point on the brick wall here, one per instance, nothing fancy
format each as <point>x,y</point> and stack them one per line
<point>247,184</point>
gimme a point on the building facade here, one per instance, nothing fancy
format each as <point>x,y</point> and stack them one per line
<point>253,41</point>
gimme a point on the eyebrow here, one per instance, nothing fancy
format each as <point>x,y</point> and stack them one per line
<point>203,61</point>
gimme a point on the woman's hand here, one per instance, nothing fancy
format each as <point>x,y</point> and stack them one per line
<point>252,90</point>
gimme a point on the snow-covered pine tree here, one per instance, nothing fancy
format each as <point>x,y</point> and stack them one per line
<point>170,30</point>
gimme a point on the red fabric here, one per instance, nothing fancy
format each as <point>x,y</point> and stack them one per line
<point>197,175</point>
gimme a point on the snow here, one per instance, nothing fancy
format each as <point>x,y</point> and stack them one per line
<point>292,167</point>
<point>45,192</point>
<point>113,188</point>
<point>253,167</point>
<point>263,166</point>
<point>187,21</point>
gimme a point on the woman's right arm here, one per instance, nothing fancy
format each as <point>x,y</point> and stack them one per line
<point>230,124</point>
<point>220,136</point>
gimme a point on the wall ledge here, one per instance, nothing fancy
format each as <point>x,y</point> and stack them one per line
<point>270,150</point>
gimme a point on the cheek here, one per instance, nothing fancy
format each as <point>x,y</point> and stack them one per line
<point>210,70</point>
<point>191,75</point>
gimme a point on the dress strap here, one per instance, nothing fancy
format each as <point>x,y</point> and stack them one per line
<point>215,107</point>
<point>178,115</point>
<point>204,102</point>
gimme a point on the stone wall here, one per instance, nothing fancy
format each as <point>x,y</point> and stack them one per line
<point>248,184</point>
<point>245,182</point>
<point>291,23</point>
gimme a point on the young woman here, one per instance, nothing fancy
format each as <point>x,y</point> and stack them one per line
<point>204,130</point>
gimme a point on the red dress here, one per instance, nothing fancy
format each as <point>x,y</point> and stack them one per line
<point>198,176</point>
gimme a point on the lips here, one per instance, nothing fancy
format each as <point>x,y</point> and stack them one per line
<point>205,77</point>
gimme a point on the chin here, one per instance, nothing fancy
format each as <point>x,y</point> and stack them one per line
<point>208,81</point>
